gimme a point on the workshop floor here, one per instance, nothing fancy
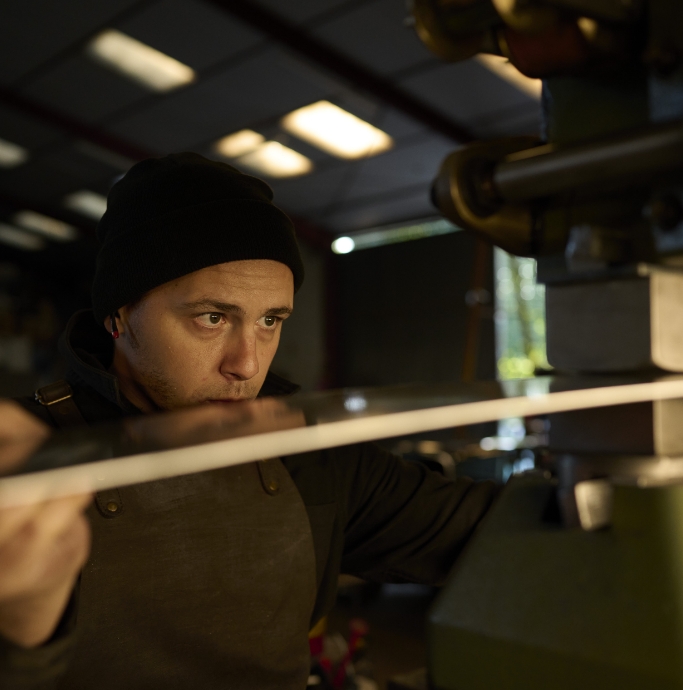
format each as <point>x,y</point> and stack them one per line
<point>396,615</point>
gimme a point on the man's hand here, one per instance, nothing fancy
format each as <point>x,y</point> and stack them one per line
<point>42,549</point>
<point>20,434</point>
<point>42,546</point>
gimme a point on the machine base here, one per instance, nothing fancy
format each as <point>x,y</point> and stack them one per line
<point>532,604</point>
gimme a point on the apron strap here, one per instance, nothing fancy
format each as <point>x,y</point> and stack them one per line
<point>58,399</point>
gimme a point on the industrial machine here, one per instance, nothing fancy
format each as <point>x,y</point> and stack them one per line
<point>576,579</point>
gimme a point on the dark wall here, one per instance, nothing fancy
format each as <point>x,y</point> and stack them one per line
<point>37,298</point>
<point>403,312</point>
<point>301,354</point>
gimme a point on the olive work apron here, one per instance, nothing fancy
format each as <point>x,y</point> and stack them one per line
<point>204,581</point>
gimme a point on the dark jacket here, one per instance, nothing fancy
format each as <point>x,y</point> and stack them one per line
<point>372,514</point>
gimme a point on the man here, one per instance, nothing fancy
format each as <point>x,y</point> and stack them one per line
<point>211,580</point>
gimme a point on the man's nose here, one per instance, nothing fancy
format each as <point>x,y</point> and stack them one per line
<point>240,359</point>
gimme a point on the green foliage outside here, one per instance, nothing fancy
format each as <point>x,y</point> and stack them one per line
<point>520,317</point>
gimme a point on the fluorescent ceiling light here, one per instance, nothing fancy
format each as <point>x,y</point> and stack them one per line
<point>275,160</point>
<point>239,143</point>
<point>44,225</point>
<point>392,234</point>
<point>503,68</point>
<point>11,154</point>
<point>87,203</point>
<point>20,238</point>
<point>139,62</point>
<point>335,131</point>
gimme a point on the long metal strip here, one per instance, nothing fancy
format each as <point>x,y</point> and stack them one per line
<point>164,460</point>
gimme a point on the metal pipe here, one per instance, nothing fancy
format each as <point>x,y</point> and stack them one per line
<point>546,172</point>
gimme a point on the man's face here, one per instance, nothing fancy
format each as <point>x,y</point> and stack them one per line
<point>208,336</point>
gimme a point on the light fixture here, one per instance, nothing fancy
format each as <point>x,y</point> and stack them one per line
<point>343,245</point>
<point>239,143</point>
<point>140,62</point>
<point>44,225</point>
<point>11,154</point>
<point>87,203</point>
<point>20,238</point>
<point>336,131</point>
<point>504,69</point>
<point>275,160</point>
<point>392,234</point>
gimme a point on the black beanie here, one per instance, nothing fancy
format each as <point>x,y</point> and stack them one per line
<point>171,216</point>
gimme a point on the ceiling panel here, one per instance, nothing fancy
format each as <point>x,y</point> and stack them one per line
<point>404,166</point>
<point>375,35</point>
<point>299,11</point>
<point>398,125</point>
<point>521,119</point>
<point>303,194</point>
<point>70,159</point>
<point>409,204</point>
<point>32,31</point>
<point>194,32</point>
<point>466,91</point>
<point>27,131</point>
<point>43,181</point>
<point>110,158</point>
<point>263,87</point>
<point>329,193</point>
<point>85,90</point>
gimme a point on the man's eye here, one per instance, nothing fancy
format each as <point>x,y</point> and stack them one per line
<point>210,319</point>
<point>269,321</point>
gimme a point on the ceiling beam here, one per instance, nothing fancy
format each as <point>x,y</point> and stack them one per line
<point>353,73</point>
<point>72,127</point>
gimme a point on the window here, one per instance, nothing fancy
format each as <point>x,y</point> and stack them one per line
<point>519,317</point>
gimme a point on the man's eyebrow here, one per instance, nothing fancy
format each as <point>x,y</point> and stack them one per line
<point>278,311</point>
<point>216,305</point>
<point>226,307</point>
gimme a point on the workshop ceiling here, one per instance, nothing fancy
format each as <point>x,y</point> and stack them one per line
<point>83,124</point>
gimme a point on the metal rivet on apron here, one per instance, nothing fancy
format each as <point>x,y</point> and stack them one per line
<point>109,503</point>
<point>268,470</point>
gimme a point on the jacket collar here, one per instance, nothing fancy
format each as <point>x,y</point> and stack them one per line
<point>88,350</point>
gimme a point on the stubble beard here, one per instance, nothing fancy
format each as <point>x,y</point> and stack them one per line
<point>165,394</point>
